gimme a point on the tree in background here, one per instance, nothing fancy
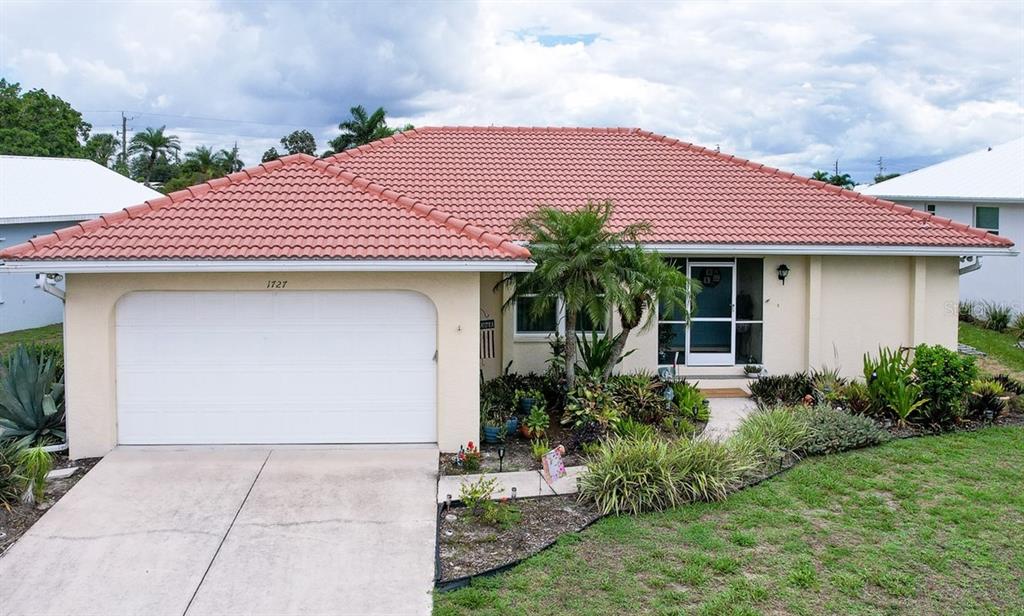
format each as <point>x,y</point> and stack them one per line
<point>153,144</point>
<point>881,177</point>
<point>38,124</point>
<point>229,160</point>
<point>270,155</point>
<point>299,142</point>
<point>102,148</point>
<point>843,180</point>
<point>821,176</point>
<point>360,129</point>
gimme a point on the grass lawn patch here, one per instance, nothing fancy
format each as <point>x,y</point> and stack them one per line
<point>1001,347</point>
<point>925,526</point>
<point>47,333</point>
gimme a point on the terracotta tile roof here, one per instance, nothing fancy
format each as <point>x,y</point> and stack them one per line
<point>455,193</point>
<point>494,176</point>
<point>295,208</point>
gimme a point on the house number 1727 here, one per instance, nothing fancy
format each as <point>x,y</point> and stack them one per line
<point>277,284</point>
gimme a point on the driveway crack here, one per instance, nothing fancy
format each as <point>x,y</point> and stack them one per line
<point>227,532</point>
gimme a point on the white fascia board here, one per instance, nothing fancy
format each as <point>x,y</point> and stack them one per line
<point>20,220</point>
<point>169,266</point>
<point>938,198</point>
<point>798,249</point>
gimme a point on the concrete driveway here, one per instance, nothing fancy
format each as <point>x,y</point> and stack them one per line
<point>234,530</point>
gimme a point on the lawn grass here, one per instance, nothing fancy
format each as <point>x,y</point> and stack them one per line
<point>47,333</point>
<point>999,346</point>
<point>919,526</point>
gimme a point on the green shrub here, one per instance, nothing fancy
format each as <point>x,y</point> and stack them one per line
<point>630,475</point>
<point>499,514</point>
<point>596,353</point>
<point>1009,383</point>
<point>539,447</point>
<point>474,494</point>
<point>766,434</point>
<point>631,428</point>
<point>31,400</point>
<point>945,378</point>
<point>35,463</point>
<point>856,397</point>
<point>678,426</point>
<point>705,469</point>
<point>987,395</point>
<point>996,316</point>
<point>689,402</point>
<point>968,312</point>
<point>538,421</point>
<point>826,384</point>
<point>1017,324</point>
<point>12,481</point>
<point>889,379</point>
<point>591,401</point>
<point>830,431</point>
<point>781,389</point>
<point>502,391</point>
<point>640,396</point>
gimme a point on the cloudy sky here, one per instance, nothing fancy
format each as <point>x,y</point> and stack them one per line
<point>796,85</point>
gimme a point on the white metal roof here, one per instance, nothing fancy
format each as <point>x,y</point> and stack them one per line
<point>38,189</point>
<point>992,174</point>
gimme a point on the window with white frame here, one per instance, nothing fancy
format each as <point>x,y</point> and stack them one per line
<point>987,218</point>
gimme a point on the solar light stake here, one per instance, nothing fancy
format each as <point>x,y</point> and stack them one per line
<point>501,457</point>
<point>513,492</point>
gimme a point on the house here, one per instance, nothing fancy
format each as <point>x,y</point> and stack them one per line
<point>356,298</point>
<point>984,189</point>
<point>37,196</point>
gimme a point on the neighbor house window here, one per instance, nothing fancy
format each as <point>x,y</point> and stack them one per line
<point>529,322</point>
<point>987,218</point>
<point>931,208</point>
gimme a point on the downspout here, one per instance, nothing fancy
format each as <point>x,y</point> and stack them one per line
<point>48,284</point>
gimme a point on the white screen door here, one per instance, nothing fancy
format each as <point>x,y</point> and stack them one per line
<point>711,336</point>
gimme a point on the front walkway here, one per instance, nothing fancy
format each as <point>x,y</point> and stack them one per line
<point>234,530</point>
<point>726,415</point>
<point>526,483</point>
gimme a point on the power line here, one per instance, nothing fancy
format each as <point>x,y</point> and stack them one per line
<point>191,117</point>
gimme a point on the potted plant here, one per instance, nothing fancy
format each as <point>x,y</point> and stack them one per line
<point>491,421</point>
<point>527,399</point>
<point>537,422</point>
<point>753,371</point>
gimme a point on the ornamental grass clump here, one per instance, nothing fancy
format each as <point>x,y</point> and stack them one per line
<point>630,475</point>
<point>705,469</point>
<point>768,435</point>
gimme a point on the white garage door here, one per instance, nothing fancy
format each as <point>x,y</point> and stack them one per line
<point>276,367</point>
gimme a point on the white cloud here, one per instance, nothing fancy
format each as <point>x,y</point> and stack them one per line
<point>794,85</point>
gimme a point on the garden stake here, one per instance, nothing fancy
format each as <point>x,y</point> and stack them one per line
<point>501,457</point>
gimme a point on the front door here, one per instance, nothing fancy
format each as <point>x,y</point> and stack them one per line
<point>711,335</point>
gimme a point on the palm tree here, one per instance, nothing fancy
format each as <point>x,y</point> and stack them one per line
<point>361,129</point>
<point>229,160</point>
<point>203,161</point>
<point>153,143</point>
<point>649,284</point>
<point>821,176</point>
<point>575,253</point>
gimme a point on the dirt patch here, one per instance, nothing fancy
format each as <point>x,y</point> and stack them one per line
<point>1007,418</point>
<point>468,546</point>
<point>18,518</point>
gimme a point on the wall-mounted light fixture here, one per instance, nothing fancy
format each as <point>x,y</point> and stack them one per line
<point>783,271</point>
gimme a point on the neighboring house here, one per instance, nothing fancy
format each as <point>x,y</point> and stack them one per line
<point>353,298</point>
<point>37,196</point>
<point>984,189</point>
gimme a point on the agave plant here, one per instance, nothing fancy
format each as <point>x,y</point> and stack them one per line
<point>596,353</point>
<point>31,400</point>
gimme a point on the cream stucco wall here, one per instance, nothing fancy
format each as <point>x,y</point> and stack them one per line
<point>90,341</point>
<point>830,311</point>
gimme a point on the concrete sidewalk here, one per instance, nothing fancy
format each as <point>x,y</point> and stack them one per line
<point>234,530</point>
<point>526,483</point>
<point>726,415</point>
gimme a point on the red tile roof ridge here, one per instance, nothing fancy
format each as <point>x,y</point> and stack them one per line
<point>424,210</point>
<point>151,205</point>
<point>851,194</point>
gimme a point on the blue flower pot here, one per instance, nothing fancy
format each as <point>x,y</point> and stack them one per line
<point>512,425</point>
<point>491,434</point>
<point>526,405</point>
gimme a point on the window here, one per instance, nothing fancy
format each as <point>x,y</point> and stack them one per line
<point>529,322</point>
<point>749,310</point>
<point>931,208</point>
<point>672,331</point>
<point>987,218</point>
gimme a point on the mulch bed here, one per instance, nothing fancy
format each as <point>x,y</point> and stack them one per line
<point>1008,418</point>
<point>468,546</point>
<point>20,517</point>
<point>518,454</point>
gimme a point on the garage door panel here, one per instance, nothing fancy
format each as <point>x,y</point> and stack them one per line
<point>274,367</point>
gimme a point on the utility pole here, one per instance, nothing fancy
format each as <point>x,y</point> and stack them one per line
<point>124,138</point>
<point>881,167</point>
<point>837,167</point>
